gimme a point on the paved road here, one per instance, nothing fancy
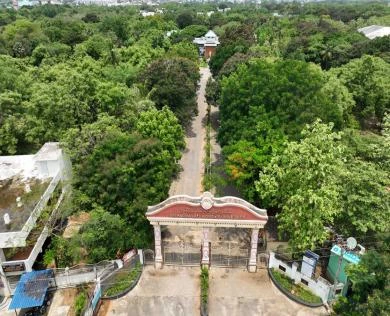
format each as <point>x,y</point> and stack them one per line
<point>172,291</point>
<point>190,179</point>
<point>235,292</point>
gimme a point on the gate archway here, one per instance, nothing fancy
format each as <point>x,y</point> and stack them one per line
<point>207,211</point>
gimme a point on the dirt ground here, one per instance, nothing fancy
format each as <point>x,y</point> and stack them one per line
<point>63,302</point>
<point>74,224</point>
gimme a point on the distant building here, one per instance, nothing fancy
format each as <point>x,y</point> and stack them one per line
<point>31,190</point>
<point>147,13</point>
<point>207,44</point>
<point>374,31</point>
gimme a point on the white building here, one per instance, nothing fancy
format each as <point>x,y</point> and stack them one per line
<point>207,44</point>
<point>374,31</point>
<point>29,186</point>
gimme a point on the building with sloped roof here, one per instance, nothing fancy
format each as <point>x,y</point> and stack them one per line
<point>374,31</point>
<point>207,44</point>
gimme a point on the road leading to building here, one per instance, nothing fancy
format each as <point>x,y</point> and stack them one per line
<point>190,179</point>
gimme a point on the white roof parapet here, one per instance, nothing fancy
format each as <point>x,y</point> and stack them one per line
<point>49,151</point>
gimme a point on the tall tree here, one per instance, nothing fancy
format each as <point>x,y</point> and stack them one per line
<point>173,82</point>
<point>370,284</point>
<point>303,182</point>
<point>367,78</point>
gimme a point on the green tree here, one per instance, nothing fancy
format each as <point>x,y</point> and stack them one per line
<point>104,236</point>
<point>303,182</point>
<point>367,79</point>
<point>185,50</point>
<point>293,93</point>
<point>173,82</point>
<point>164,126</point>
<point>21,37</point>
<point>185,19</point>
<point>370,284</point>
<point>365,199</point>
<point>64,252</point>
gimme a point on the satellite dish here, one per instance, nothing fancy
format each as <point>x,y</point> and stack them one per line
<point>351,243</point>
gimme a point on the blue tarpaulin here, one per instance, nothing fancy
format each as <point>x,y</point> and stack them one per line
<point>31,289</point>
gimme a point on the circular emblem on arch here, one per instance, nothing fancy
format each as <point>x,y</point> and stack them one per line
<point>207,201</point>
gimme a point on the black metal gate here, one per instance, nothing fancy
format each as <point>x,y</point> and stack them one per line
<point>148,256</point>
<point>181,253</point>
<point>262,260</point>
<point>228,254</point>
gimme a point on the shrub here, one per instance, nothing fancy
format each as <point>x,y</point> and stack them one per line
<point>81,300</point>
<point>122,281</point>
<point>204,285</point>
<point>295,289</point>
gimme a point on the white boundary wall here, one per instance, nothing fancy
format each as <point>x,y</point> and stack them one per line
<point>319,287</point>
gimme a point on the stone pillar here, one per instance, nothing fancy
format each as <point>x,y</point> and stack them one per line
<point>2,256</point>
<point>295,275</point>
<point>157,243</point>
<point>3,278</point>
<point>252,267</point>
<point>205,247</point>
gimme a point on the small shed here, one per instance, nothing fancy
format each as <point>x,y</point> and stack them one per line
<point>31,289</point>
<point>349,257</point>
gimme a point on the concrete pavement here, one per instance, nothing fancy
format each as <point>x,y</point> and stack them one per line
<point>235,292</point>
<point>190,179</point>
<point>172,291</point>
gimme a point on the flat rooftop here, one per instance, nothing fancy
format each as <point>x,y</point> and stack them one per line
<point>29,190</point>
<point>22,178</point>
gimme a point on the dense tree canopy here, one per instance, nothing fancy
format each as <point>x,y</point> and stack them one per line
<point>370,284</point>
<point>172,82</point>
<point>303,181</point>
<point>292,93</point>
<point>112,86</point>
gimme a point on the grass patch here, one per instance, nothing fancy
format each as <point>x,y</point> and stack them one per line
<point>202,63</point>
<point>122,281</point>
<point>204,285</point>
<point>295,289</point>
<point>80,302</point>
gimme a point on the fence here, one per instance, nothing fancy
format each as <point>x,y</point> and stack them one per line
<point>182,254</point>
<point>69,277</point>
<point>319,287</point>
<point>94,300</point>
<point>229,254</point>
<point>119,276</point>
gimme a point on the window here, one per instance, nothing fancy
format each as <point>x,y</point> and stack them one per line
<point>305,282</point>
<point>338,291</point>
<point>282,268</point>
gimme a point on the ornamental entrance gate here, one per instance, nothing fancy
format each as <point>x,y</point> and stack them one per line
<point>181,253</point>
<point>228,254</point>
<point>206,211</point>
